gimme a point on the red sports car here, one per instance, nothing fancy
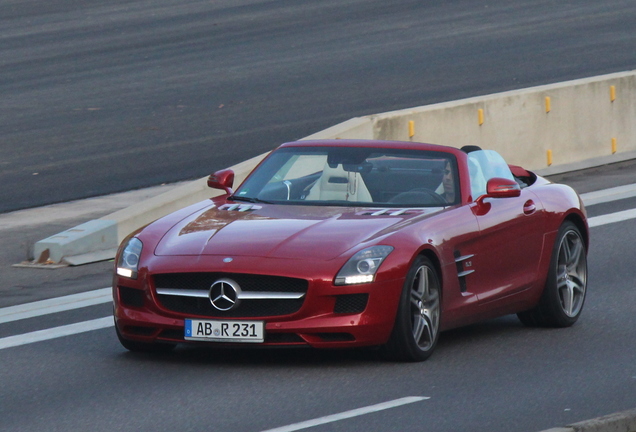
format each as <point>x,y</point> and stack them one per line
<point>351,243</point>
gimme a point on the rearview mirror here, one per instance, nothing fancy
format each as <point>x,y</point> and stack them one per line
<point>363,168</point>
<point>223,180</point>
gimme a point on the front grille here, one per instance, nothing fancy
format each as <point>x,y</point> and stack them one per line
<point>248,308</point>
<point>282,338</point>
<point>131,297</point>
<point>351,303</point>
<point>336,337</point>
<point>172,334</point>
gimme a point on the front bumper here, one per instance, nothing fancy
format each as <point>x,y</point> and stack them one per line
<point>329,317</point>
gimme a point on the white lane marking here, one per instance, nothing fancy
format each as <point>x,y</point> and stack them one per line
<point>349,414</point>
<point>611,218</point>
<point>607,195</point>
<point>58,304</point>
<point>56,332</point>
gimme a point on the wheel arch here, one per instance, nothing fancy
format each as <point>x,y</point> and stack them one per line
<point>431,255</point>
<point>579,222</point>
<point>435,260</point>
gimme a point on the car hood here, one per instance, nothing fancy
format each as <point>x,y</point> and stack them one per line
<point>282,231</point>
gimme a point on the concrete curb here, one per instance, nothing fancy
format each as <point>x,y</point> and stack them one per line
<point>624,421</point>
<point>511,113</point>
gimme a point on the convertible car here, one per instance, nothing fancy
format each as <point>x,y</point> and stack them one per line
<point>352,243</point>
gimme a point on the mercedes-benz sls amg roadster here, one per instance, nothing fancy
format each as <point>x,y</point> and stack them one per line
<point>352,243</point>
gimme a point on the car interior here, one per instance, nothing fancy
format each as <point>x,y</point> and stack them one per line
<point>384,178</point>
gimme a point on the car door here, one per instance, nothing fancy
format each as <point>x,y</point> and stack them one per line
<point>509,245</point>
<point>508,248</point>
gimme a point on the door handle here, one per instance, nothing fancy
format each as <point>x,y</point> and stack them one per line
<point>529,207</point>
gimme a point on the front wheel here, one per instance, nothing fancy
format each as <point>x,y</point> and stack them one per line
<point>417,323</point>
<point>564,294</point>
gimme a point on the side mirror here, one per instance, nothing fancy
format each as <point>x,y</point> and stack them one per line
<point>502,188</point>
<point>223,180</point>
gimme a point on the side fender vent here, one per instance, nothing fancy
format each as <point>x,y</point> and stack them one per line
<point>462,261</point>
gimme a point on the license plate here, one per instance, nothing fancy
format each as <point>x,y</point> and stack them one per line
<point>225,331</point>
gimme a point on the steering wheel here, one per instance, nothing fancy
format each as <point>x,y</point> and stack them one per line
<point>418,196</point>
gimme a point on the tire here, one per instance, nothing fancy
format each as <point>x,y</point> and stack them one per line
<point>564,293</point>
<point>416,329</point>
<point>143,347</point>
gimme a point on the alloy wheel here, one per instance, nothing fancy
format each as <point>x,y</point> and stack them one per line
<point>425,308</point>
<point>571,273</point>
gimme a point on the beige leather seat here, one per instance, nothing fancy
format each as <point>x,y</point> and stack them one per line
<point>339,185</point>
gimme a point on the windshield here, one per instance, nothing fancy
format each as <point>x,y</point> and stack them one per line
<point>354,176</point>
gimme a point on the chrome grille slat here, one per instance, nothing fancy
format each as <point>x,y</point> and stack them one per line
<point>251,295</point>
<point>243,295</point>
<point>183,292</point>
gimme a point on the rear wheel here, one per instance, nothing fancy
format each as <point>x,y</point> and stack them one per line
<point>416,328</point>
<point>564,294</point>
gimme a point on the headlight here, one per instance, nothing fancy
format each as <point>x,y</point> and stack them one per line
<point>363,266</point>
<point>128,261</point>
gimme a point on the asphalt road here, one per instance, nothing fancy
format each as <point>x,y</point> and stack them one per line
<point>111,95</point>
<point>104,96</point>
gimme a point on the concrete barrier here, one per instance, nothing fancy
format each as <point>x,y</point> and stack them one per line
<point>538,127</point>
<point>549,129</point>
<point>618,422</point>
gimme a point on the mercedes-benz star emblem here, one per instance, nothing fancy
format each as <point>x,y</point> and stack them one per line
<point>224,294</point>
